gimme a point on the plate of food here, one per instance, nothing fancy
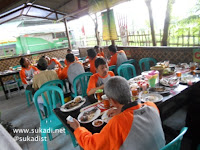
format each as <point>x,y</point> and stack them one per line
<point>89,115</point>
<point>169,81</point>
<point>167,72</point>
<point>152,97</point>
<point>73,105</point>
<point>97,123</point>
<point>196,71</point>
<point>105,117</point>
<point>188,78</point>
<point>160,89</point>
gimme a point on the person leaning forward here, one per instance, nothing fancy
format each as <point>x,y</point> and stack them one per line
<point>133,125</point>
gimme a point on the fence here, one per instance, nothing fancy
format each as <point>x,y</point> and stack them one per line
<point>188,38</point>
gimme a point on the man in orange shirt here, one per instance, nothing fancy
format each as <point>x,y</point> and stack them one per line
<point>92,55</point>
<point>133,125</point>
<point>98,79</point>
<point>117,58</point>
<point>53,63</point>
<point>73,69</point>
<point>27,73</point>
<point>99,51</point>
<point>69,51</point>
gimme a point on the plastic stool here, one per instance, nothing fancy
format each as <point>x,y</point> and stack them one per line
<point>10,84</point>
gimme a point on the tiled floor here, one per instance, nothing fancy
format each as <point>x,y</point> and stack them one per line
<point>15,110</point>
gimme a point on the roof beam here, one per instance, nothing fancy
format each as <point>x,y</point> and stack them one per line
<point>5,4</point>
<point>65,3</point>
<point>74,13</point>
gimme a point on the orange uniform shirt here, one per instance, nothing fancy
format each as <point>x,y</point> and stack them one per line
<point>113,60</point>
<point>94,80</point>
<point>24,73</point>
<point>113,135</point>
<point>92,65</point>
<point>63,74</point>
<point>101,54</point>
<point>56,62</point>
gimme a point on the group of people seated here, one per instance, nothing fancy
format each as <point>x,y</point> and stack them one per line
<point>133,126</point>
<point>99,66</point>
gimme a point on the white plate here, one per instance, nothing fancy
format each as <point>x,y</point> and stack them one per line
<point>63,109</point>
<point>165,81</point>
<point>171,65</point>
<point>185,79</point>
<point>105,117</point>
<point>96,115</point>
<point>196,71</point>
<point>151,97</point>
<point>166,90</point>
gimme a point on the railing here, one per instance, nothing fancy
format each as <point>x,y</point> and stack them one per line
<point>143,38</point>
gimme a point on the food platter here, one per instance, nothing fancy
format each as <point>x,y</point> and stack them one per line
<point>188,78</point>
<point>196,71</point>
<point>105,117</point>
<point>169,82</point>
<point>152,97</point>
<point>73,105</point>
<point>89,115</point>
<point>160,90</point>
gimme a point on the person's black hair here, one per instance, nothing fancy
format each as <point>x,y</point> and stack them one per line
<point>91,53</point>
<point>112,48</point>
<point>96,47</point>
<point>100,61</point>
<point>21,62</point>
<point>70,57</point>
<point>42,63</point>
<point>69,50</point>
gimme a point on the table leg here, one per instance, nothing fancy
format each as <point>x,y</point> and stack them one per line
<point>4,90</point>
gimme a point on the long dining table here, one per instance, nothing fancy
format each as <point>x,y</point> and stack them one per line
<point>176,98</point>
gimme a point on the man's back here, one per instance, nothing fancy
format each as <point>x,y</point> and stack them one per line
<point>43,77</point>
<point>146,131</point>
<point>74,70</point>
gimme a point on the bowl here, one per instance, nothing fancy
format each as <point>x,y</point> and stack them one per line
<point>97,123</point>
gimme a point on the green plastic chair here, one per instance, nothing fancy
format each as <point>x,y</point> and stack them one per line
<point>58,83</point>
<point>50,121</point>
<point>29,97</point>
<point>146,62</point>
<point>176,143</point>
<point>198,148</point>
<point>17,77</point>
<point>127,71</point>
<point>81,80</point>
<point>130,61</point>
<point>112,68</point>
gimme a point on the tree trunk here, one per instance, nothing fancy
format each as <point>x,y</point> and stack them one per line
<point>96,30</point>
<point>148,3</point>
<point>166,24</point>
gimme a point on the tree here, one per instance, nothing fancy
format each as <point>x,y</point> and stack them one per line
<point>167,22</point>
<point>148,3</point>
<point>95,20</point>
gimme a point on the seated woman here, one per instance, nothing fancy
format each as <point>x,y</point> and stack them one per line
<point>53,63</point>
<point>98,79</point>
<point>27,73</point>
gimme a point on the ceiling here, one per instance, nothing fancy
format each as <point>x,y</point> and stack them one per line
<point>47,9</point>
<point>52,9</point>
